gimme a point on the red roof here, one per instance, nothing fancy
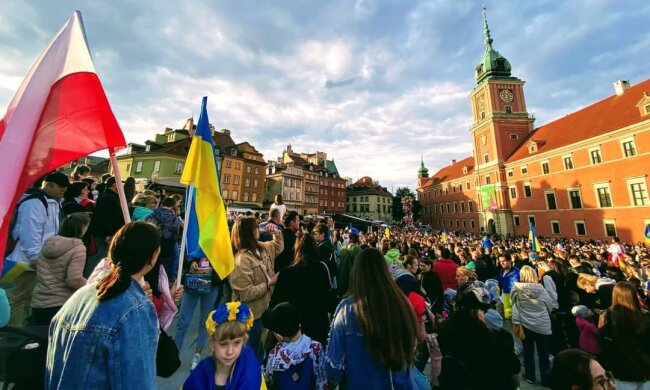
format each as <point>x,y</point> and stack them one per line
<point>451,172</point>
<point>612,113</point>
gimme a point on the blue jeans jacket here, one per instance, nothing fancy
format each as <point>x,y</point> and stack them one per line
<point>348,360</point>
<point>103,345</point>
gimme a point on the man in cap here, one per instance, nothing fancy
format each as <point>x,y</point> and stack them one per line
<point>37,219</point>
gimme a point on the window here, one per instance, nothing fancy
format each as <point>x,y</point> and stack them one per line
<point>647,109</point>
<point>462,207</point>
<point>248,169</point>
<point>245,197</point>
<point>225,194</point>
<point>487,179</point>
<point>513,192</point>
<point>509,111</point>
<point>527,191</point>
<point>455,207</point>
<point>470,206</point>
<point>638,192</point>
<point>228,163</point>
<point>531,220</point>
<point>178,167</point>
<point>568,163</point>
<point>510,173</point>
<point>464,224</point>
<point>595,156</point>
<point>237,165</point>
<point>581,229</point>
<point>467,185</point>
<point>629,149</point>
<point>574,198</point>
<point>471,223</point>
<point>486,158</point>
<point>456,223</point>
<point>156,166</point>
<point>226,178</point>
<point>515,219</point>
<point>604,195</point>
<point>545,168</point>
<point>233,152</point>
<point>254,197</point>
<point>448,208</point>
<point>138,167</point>
<point>610,228</point>
<point>550,200</point>
<point>128,168</point>
<point>235,195</point>
<point>247,182</point>
<point>255,183</point>
<point>555,226</point>
<point>435,209</point>
<point>524,170</point>
<point>235,180</point>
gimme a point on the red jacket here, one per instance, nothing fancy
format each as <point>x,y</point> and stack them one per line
<point>446,270</point>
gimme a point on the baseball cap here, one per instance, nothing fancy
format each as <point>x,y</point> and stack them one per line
<point>354,231</point>
<point>58,178</point>
<point>283,319</point>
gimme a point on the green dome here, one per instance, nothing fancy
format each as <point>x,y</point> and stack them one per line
<point>423,171</point>
<point>492,64</point>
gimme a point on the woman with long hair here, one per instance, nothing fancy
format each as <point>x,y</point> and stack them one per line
<point>76,198</point>
<point>305,284</point>
<point>374,331</point>
<point>253,278</point>
<point>60,268</point>
<point>531,308</point>
<point>625,338</point>
<point>278,203</point>
<point>106,334</point>
<point>574,369</point>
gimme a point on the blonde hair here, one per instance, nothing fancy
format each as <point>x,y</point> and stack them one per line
<point>229,330</point>
<point>586,280</point>
<point>528,275</point>
<point>467,273</point>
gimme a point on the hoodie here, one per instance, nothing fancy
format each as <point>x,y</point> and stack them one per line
<point>531,307</point>
<point>588,336</point>
<point>60,271</point>
<point>286,354</point>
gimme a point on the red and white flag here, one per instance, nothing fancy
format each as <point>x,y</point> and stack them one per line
<point>60,113</point>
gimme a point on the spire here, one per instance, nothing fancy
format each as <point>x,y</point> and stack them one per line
<point>423,171</point>
<point>486,30</point>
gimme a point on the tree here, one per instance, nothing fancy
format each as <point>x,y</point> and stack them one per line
<point>398,213</point>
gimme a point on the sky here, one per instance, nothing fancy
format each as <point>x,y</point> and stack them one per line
<point>373,83</point>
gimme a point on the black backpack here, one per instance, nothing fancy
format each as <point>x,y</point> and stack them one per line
<point>29,195</point>
<point>23,353</point>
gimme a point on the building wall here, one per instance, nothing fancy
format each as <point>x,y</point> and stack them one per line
<point>331,195</point>
<point>292,188</point>
<point>311,192</point>
<point>369,206</point>
<point>232,169</point>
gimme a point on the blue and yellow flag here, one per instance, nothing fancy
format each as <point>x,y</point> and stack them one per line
<point>532,237</point>
<point>443,235</point>
<point>207,211</point>
<point>647,233</point>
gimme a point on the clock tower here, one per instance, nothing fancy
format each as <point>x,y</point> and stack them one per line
<point>500,123</point>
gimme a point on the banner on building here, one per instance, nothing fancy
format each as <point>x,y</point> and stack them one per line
<point>488,197</point>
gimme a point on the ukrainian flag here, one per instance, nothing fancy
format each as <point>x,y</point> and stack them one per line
<point>443,234</point>
<point>207,208</point>
<point>647,233</point>
<point>532,237</point>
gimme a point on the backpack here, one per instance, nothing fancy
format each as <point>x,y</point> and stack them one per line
<point>299,377</point>
<point>22,356</point>
<point>29,195</point>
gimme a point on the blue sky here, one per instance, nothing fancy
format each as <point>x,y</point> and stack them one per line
<point>372,83</point>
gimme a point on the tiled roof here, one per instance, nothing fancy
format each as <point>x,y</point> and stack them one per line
<point>609,114</point>
<point>451,172</point>
<point>223,140</point>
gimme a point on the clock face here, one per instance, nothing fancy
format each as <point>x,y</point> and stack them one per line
<point>506,95</point>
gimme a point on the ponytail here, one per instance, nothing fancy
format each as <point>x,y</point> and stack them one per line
<point>113,284</point>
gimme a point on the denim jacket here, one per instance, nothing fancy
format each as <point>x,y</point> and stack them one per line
<point>348,361</point>
<point>103,345</point>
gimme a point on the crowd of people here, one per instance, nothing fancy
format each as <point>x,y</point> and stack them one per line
<point>313,305</point>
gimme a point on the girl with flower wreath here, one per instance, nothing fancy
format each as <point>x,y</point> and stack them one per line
<point>233,364</point>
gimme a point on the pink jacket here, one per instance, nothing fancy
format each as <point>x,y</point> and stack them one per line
<point>588,336</point>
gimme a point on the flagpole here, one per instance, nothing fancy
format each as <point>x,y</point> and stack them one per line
<point>120,188</point>
<point>181,255</point>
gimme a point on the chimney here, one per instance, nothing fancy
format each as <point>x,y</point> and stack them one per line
<point>453,162</point>
<point>621,86</point>
<point>225,131</point>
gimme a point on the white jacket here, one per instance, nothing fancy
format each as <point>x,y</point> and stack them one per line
<point>33,226</point>
<point>531,307</point>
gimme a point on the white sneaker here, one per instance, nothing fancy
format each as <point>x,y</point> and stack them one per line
<point>195,360</point>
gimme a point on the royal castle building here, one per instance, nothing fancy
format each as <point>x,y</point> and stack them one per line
<point>582,176</point>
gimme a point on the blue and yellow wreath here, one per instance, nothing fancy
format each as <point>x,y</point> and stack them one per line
<point>231,311</point>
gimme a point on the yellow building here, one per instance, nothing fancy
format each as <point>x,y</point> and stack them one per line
<point>367,199</point>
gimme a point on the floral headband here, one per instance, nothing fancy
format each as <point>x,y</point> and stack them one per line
<point>231,311</point>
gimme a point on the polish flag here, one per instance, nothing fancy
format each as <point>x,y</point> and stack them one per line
<point>60,113</point>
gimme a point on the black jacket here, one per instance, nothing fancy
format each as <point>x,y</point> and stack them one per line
<point>286,256</point>
<point>326,254</point>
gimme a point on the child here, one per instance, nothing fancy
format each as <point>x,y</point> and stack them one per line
<point>588,330</point>
<point>233,365</point>
<point>296,362</point>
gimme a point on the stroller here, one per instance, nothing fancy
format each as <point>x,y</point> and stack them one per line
<point>23,352</point>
